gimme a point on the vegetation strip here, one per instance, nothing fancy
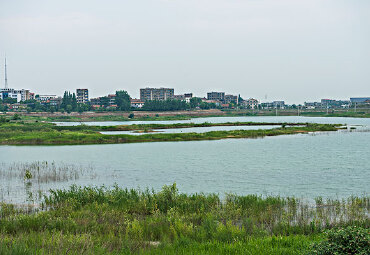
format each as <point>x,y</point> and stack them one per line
<point>190,125</point>
<point>49,134</point>
<point>99,220</point>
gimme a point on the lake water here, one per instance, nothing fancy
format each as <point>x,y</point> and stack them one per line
<point>328,164</point>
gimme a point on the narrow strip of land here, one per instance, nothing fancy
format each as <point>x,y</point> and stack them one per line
<point>49,134</point>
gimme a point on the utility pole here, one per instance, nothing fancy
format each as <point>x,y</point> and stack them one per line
<point>276,109</point>
<point>6,76</point>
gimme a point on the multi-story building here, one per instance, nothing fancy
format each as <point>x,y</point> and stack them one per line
<point>359,100</point>
<point>137,103</point>
<point>185,97</point>
<point>218,96</point>
<point>312,105</point>
<point>231,99</point>
<point>327,102</point>
<point>156,94</point>
<point>279,104</point>
<point>45,98</point>
<point>273,105</point>
<point>251,103</point>
<point>56,101</point>
<point>331,103</point>
<point>82,96</point>
<point>95,101</point>
<point>18,94</point>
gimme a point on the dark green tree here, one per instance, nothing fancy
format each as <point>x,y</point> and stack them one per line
<point>123,100</point>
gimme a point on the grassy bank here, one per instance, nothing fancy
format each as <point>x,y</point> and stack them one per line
<point>49,134</point>
<point>186,115</point>
<point>120,221</point>
<point>190,125</point>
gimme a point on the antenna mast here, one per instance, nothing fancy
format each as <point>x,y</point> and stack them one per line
<point>6,76</point>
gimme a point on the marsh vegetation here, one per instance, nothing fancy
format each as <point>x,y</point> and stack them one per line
<point>100,220</point>
<point>49,134</point>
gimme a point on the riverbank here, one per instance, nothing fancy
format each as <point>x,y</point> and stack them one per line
<point>183,115</point>
<point>120,221</point>
<point>20,133</point>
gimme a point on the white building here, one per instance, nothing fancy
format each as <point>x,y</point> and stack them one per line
<point>251,103</point>
<point>45,98</point>
<point>18,94</point>
<point>137,103</point>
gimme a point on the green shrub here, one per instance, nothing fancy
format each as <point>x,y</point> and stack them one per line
<point>350,240</point>
<point>16,117</point>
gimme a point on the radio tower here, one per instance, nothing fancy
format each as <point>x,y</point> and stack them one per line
<point>6,77</point>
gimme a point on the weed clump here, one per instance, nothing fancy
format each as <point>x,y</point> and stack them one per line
<point>342,241</point>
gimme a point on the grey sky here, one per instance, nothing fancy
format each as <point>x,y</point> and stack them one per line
<point>297,50</point>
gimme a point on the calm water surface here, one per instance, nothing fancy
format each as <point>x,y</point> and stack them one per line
<point>335,164</point>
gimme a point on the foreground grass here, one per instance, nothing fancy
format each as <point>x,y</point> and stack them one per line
<point>86,220</point>
<point>49,134</point>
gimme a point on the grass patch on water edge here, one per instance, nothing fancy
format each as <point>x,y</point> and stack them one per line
<point>48,134</point>
<point>99,220</point>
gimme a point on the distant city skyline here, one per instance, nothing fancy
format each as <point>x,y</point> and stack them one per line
<point>288,50</point>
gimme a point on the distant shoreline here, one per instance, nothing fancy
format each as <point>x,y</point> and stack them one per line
<point>181,115</point>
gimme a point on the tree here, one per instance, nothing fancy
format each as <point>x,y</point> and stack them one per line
<point>195,102</point>
<point>69,108</point>
<point>9,100</point>
<point>69,100</point>
<point>165,105</point>
<point>123,100</point>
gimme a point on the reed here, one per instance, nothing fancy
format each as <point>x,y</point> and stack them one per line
<point>43,171</point>
<point>104,220</point>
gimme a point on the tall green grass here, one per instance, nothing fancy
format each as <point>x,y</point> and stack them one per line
<point>113,220</point>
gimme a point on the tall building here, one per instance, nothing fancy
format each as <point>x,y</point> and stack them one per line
<point>231,99</point>
<point>156,94</point>
<point>218,96</point>
<point>82,96</point>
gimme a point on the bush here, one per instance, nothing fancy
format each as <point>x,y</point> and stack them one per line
<point>131,116</point>
<point>16,117</point>
<point>350,240</point>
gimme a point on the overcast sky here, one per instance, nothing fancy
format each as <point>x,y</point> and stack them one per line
<point>294,50</point>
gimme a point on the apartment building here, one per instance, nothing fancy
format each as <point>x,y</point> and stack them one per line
<point>218,96</point>
<point>184,97</point>
<point>156,93</point>
<point>231,99</point>
<point>251,103</point>
<point>82,96</point>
